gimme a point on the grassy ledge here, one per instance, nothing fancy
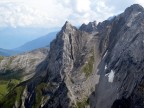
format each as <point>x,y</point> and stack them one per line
<point>15,95</point>
<point>83,103</point>
<point>88,67</point>
<point>1,58</point>
<point>39,94</point>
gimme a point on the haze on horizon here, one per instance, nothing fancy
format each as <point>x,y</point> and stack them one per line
<point>47,15</point>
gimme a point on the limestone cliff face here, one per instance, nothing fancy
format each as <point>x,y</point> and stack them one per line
<point>96,66</point>
<point>121,67</point>
<point>71,63</point>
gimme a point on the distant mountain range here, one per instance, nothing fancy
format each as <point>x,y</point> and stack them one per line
<point>41,42</point>
<point>37,43</point>
<point>5,52</point>
<point>16,37</point>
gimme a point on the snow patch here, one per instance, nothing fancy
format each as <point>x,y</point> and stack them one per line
<point>132,18</point>
<point>105,54</point>
<point>105,67</point>
<point>107,74</point>
<point>110,76</point>
<point>137,14</point>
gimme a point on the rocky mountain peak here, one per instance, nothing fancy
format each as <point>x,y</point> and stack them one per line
<point>67,26</point>
<point>94,23</point>
<point>124,38</point>
<point>134,8</point>
<point>90,27</point>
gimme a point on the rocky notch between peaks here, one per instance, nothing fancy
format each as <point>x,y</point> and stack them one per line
<point>90,27</point>
<point>100,68</point>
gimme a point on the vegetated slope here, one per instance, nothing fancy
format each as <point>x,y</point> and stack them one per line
<point>102,68</point>
<point>16,69</point>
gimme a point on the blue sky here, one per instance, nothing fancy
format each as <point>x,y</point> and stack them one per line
<point>51,14</point>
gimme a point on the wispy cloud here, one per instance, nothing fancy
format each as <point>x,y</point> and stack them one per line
<point>53,13</point>
<point>20,15</point>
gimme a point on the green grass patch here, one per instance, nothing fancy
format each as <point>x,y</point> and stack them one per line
<point>15,95</point>
<point>3,90</point>
<point>88,67</point>
<point>39,94</point>
<point>9,100</point>
<point>83,103</point>
<point>19,90</point>
<point>6,86</point>
<point>12,83</point>
<point>8,81</point>
<point>1,58</point>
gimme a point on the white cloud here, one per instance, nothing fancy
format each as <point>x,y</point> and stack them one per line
<point>140,2</point>
<point>82,6</point>
<point>17,14</point>
<point>53,13</point>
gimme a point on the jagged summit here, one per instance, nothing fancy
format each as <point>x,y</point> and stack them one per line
<point>135,8</point>
<point>67,23</point>
<point>90,27</point>
<point>67,26</point>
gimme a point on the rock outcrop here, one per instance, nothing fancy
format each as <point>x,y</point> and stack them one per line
<point>90,27</point>
<point>75,61</point>
<point>121,68</point>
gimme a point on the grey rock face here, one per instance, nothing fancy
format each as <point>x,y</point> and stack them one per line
<point>121,69</point>
<point>69,57</point>
<point>70,74</point>
<point>90,27</point>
